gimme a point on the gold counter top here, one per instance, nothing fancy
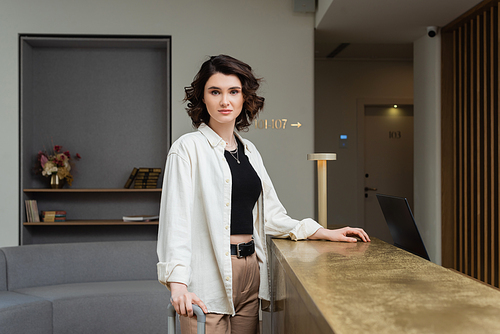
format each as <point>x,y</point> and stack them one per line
<point>377,288</point>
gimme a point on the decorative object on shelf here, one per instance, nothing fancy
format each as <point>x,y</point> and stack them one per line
<point>322,158</point>
<point>147,178</point>
<point>56,182</point>
<point>144,178</point>
<point>56,165</point>
<point>139,218</point>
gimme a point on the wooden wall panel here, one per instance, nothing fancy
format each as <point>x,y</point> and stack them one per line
<point>471,232</point>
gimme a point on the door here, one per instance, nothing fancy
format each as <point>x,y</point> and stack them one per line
<point>388,160</point>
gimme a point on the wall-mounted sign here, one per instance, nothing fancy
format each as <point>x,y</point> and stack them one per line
<point>278,124</point>
<point>394,134</point>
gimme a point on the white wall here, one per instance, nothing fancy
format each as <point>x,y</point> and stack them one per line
<point>427,149</point>
<point>339,86</point>
<point>321,9</point>
<point>277,42</point>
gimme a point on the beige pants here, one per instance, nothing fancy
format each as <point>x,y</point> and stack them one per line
<point>246,280</point>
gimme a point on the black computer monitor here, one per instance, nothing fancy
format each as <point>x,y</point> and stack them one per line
<point>402,225</point>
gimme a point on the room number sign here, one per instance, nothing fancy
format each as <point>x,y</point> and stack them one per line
<point>278,124</point>
<point>394,134</point>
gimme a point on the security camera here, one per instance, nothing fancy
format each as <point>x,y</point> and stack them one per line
<point>432,31</point>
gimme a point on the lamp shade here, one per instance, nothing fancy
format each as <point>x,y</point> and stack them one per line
<point>322,156</point>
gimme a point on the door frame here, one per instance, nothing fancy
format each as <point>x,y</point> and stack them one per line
<point>360,168</point>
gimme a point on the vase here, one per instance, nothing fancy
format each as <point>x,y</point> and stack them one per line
<point>56,182</point>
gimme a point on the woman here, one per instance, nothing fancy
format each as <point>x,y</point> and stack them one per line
<point>218,203</point>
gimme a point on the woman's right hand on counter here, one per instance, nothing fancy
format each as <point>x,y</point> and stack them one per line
<point>182,300</point>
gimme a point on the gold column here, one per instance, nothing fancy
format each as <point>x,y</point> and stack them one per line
<point>322,181</point>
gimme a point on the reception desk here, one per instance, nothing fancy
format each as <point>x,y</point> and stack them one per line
<point>330,287</point>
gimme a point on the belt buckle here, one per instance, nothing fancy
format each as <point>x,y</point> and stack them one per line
<point>238,250</point>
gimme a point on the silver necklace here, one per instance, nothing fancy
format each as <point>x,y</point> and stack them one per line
<point>237,156</point>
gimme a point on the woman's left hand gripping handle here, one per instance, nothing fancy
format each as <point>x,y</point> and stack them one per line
<point>183,300</point>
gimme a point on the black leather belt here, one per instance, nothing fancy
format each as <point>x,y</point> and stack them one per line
<point>243,249</point>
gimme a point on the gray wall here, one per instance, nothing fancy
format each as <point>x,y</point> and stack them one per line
<point>277,42</point>
<point>339,87</point>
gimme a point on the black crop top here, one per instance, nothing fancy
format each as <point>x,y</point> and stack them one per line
<point>245,192</point>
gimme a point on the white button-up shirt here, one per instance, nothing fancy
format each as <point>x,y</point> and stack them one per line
<point>195,219</point>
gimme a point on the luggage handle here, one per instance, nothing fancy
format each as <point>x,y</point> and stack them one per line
<point>200,318</point>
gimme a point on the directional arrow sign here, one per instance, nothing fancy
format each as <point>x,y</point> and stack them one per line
<point>298,125</point>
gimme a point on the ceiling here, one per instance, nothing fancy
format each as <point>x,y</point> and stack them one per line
<point>381,29</point>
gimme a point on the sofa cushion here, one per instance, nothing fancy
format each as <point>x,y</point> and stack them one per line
<point>3,272</point>
<point>123,306</point>
<point>22,314</point>
<point>52,264</point>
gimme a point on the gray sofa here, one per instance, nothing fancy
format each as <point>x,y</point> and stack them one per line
<point>101,287</point>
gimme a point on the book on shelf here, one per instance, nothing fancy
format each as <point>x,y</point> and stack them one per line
<point>32,215</point>
<point>56,213</point>
<point>53,216</point>
<point>145,186</point>
<point>139,218</point>
<point>131,178</point>
<point>53,220</point>
<point>142,176</point>
<point>28,211</point>
<point>149,170</point>
<point>146,182</point>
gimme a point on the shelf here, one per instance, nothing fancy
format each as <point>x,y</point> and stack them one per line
<point>98,200</point>
<point>85,190</point>
<point>91,222</point>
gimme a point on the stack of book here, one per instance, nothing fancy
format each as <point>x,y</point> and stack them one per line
<point>32,211</point>
<point>144,178</point>
<point>147,178</point>
<point>53,216</point>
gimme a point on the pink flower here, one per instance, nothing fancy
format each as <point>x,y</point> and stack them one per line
<point>57,148</point>
<point>77,156</point>
<point>43,160</point>
<point>67,154</point>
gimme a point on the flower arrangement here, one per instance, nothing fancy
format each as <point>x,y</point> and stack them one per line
<point>56,162</point>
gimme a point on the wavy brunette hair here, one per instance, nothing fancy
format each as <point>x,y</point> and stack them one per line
<point>226,65</point>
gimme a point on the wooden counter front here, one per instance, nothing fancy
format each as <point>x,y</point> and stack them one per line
<point>330,287</point>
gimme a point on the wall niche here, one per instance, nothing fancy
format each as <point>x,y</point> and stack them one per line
<point>107,98</point>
